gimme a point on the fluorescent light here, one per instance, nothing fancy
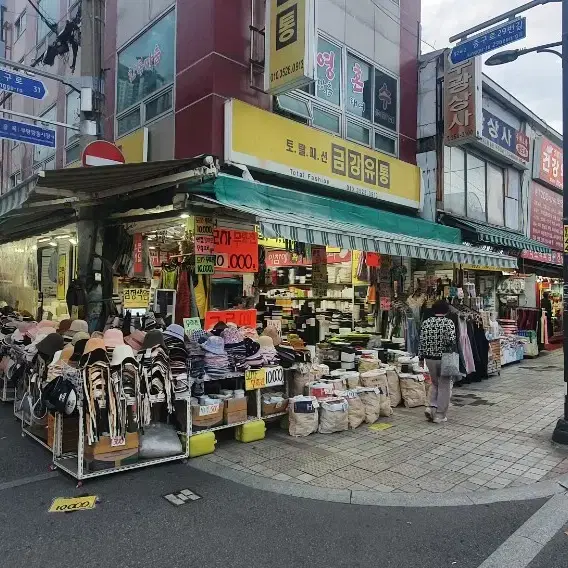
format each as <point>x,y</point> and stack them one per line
<point>52,243</point>
<point>184,215</point>
<point>73,241</point>
<point>43,240</point>
<point>152,248</point>
<point>62,236</point>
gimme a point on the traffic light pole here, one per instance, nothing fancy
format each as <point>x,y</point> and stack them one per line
<point>560,434</point>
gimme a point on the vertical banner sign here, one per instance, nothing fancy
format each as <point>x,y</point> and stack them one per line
<point>235,251</point>
<point>546,216</point>
<point>138,268</point>
<point>548,163</point>
<point>462,102</point>
<point>290,44</point>
<point>319,271</point>
<point>203,239</point>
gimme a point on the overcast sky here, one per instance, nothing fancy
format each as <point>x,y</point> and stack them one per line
<point>535,79</point>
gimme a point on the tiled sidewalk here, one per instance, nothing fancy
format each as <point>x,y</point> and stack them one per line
<point>498,435</point>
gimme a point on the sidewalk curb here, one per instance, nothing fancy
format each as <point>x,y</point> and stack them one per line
<point>537,490</point>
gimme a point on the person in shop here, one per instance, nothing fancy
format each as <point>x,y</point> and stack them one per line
<point>437,336</point>
<point>546,305</point>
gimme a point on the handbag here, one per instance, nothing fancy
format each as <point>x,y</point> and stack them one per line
<point>450,366</point>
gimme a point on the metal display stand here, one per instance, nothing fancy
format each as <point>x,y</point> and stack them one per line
<point>74,463</point>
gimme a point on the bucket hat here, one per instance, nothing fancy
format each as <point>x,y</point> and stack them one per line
<point>78,336</point>
<point>46,323</point>
<point>96,334</point>
<point>232,335</point>
<point>67,353</point>
<point>252,347</point>
<point>176,331</point>
<point>135,339</point>
<point>218,328</point>
<point>273,333</point>
<point>78,350</point>
<point>121,353</point>
<point>199,336</point>
<point>94,351</point>
<point>153,339</point>
<point>64,325</point>
<point>266,342</point>
<point>79,325</point>
<point>112,338</point>
<point>50,344</point>
<point>214,345</point>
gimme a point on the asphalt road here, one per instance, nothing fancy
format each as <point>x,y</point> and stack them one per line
<point>231,525</point>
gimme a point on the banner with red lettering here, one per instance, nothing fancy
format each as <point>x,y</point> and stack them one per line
<point>235,251</point>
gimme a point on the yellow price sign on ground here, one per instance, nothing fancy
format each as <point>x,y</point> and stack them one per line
<point>69,504</point>
<point>255,379</point>
<point>380,427</point>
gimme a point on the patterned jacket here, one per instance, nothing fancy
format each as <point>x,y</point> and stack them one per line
<point>437,336</point>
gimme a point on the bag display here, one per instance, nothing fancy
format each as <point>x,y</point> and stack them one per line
<point>302,416</point>
<point>352,378</point>
<point>307,373</point>
<point>371,399</point>
<point>367,365</point>
<point>374,378</point>
<point>356,409</point>
<point>393,386</point>
<point>334,416</point>
<point>385,405</point>
<point>412,389</point>
<point>450,366</point>
<point>159,441</point>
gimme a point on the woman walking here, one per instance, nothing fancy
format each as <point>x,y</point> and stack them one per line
<point>438,336</point>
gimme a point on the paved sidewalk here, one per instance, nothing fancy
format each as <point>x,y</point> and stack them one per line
<point>498,436</point>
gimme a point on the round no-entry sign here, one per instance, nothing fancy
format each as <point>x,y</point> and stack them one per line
<point>102,153</point>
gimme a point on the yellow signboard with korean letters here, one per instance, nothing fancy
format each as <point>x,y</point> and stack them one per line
<point>289,44</point>
<point>269,142</point>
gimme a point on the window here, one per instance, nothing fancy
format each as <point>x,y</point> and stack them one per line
<point>50,9</point>
<point>475,183</point>
<point>145,67</point>
<point>73,117</point>
<point>495,195</point>
<point>20,25</point>
<point>454,180</point>
<point>480,190</point>
<point>329,59</point>
<point>293,106</point>
<point>513,199</point>
<point>42,153</point>
<point>351,98</point>
<point>15,179</point>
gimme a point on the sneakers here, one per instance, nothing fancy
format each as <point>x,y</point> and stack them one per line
<point>439,420</point>
<point>429,413</point>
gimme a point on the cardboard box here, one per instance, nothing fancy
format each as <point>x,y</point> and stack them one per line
<point>202,417</point>
<point>235,411</point>
<point>277,407</point>
<point>104,446</point>
<point>111,460</point>
<point>70,435</point>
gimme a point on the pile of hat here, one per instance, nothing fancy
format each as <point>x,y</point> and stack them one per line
<point>174,338</point>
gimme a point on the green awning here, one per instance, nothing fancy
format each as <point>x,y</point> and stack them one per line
<point>289,214</point>
<point>495,236</point>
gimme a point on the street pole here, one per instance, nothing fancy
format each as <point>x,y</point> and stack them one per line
<point>560,434</point>
<point>89,231</point>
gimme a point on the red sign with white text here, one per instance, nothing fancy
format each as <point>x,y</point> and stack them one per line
<point>235,251</point>
<point>137,253</point>
<point>282,258</point>
<point>239,317</point>
<point>546,217</point>
<point>550,258</point>
<point>548,163</point>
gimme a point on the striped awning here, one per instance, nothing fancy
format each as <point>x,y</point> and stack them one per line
<point>309,229</point>
<point>495,236</point>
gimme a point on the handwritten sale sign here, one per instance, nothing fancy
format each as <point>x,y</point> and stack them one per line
<point>235,251</point>
<point>238,317</point>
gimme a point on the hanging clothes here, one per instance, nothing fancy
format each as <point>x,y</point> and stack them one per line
<point>169,277</point>
<point>183,298</point>
<point>465,347</point>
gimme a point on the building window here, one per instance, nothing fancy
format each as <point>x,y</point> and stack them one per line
<point>15,179</point>
<point>480,190</point>
<point>454,180</point>
<point>145,67</point>
<point>73,117</point>
<point>351,98</point>
<point>50,11</point>
<point>495,195</point>
<point>20,25</point>
<point>43,153</point>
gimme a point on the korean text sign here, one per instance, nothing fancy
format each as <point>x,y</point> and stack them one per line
<point>289,44</point>
<point>548,165</point>
<point>546,217</point>
<point>235,251</point>
<point>241,318</point>
<point>504,139</point>
<point>462,102</point>
<point>135,298</point>
<point>288,148</point>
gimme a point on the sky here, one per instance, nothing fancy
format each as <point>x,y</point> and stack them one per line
<point>536,78</point>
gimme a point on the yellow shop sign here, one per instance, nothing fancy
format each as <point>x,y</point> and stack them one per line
<point>269,142</point>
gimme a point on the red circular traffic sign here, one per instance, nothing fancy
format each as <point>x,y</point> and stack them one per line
<point>102,153</point>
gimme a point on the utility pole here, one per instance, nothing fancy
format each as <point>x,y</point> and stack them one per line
<point>89,231</point>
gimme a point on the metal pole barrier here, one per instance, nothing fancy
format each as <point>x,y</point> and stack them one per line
<point>560,434</point>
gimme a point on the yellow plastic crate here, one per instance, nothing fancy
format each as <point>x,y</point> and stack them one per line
<point>251,431</point>
<point>202,444</point>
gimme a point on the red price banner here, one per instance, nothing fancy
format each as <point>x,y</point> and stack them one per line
<point>137,253</point>
<point>238,317</point>
<point>235,251</point>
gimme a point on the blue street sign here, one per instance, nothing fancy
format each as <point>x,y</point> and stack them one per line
<point>28,133</point>
<point>22,85</point>
<point>490,39</point>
